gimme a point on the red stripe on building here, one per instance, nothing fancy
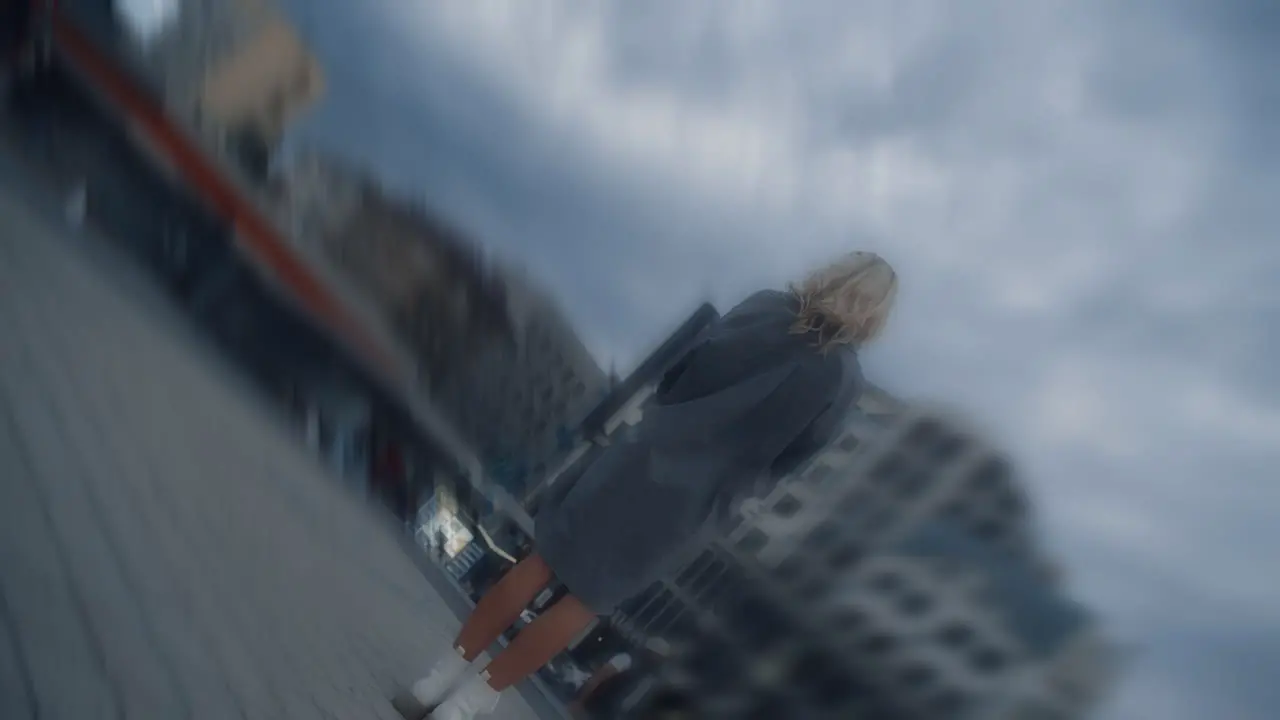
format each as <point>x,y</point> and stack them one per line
<point>254,233</point>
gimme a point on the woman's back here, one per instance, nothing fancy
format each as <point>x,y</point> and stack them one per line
<point>722,417</point>
<point>752,386</point>
<point>752,338</point>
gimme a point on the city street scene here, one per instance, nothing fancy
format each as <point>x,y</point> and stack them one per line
<point>317,400</point>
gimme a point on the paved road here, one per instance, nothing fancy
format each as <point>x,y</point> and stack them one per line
<point>167,550</point>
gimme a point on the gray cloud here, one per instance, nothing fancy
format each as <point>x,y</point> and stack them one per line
<point>1079,197</point>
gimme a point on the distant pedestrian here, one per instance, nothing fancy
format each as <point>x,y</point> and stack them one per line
<point>440,546</point>
<point>763,390</point>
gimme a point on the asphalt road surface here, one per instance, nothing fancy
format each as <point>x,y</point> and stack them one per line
<point>167,548</point>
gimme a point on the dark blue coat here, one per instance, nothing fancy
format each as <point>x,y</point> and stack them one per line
<point>745,406</point>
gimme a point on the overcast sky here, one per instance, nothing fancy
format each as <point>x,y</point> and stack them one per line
<point>146,18</point>
<point>1079,197</point>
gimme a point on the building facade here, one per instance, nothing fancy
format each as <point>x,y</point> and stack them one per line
<point>517,403</point>
<point>319,195</point>
<point>958,629</point>
<point>442,297</point>
<point>239,70</point>
<point>497,353</point>
<point>904,555</point>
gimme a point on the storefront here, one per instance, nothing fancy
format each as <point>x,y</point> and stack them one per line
<point>443,533</point>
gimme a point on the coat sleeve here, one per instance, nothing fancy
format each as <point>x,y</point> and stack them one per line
<point>815,436</point>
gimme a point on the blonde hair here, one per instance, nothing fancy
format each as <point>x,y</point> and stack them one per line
<point>848,301</point>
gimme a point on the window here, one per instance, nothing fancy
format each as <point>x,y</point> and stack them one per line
<point>853,503</point>
<point>823,535</point>
<point>753,542</point>
<point>915,604</point>
<point>917,676</point>
<point>790,569</point>
<point>947,704</point>
<point>818,472</point>
<point>946,569</point>
<point>888,468</point>
<point>913,482</point>
<point>1036,712</point>
<point>814,587</point>
<point>885,582</point>
<point>879,520</point>
<point>924,433</point>
<point>787,506</point>
<point>845,556</point>
<point>988,660</point>
<point>1009,503</point>
<point>955,634</point>
<point>878,644</point>
<point>988,530</point>
<point>947,449</point>
<point>990,474</point>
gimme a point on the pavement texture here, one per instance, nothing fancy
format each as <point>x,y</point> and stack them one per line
<point>168,549</point>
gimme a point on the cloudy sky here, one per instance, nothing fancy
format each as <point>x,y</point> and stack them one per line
<point>145,18</point>
<point>1075,194</point>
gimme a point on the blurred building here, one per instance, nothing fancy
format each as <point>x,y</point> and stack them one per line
<point>320,195</point>
<point>239,70</point>
<point>904,556</point>
<point>954,626</point>
<point>498,354</point>
<point>436,289</point>
<point>883,477</point>
<point>518,403</point>
<point>337,428</point>
<point>622,405</point>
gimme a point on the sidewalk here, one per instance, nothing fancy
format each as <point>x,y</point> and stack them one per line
<point>166,550</point>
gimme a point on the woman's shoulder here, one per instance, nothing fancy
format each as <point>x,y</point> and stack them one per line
<point>765,311</point>
<point>767,299</point>
<point>837,368</point>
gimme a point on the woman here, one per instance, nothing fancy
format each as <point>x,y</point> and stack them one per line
<point>764,390</point>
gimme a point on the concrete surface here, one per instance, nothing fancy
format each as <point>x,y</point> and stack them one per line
<point>167,549</point>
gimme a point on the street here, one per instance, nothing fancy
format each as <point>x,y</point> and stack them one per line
<point>167,548</point>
